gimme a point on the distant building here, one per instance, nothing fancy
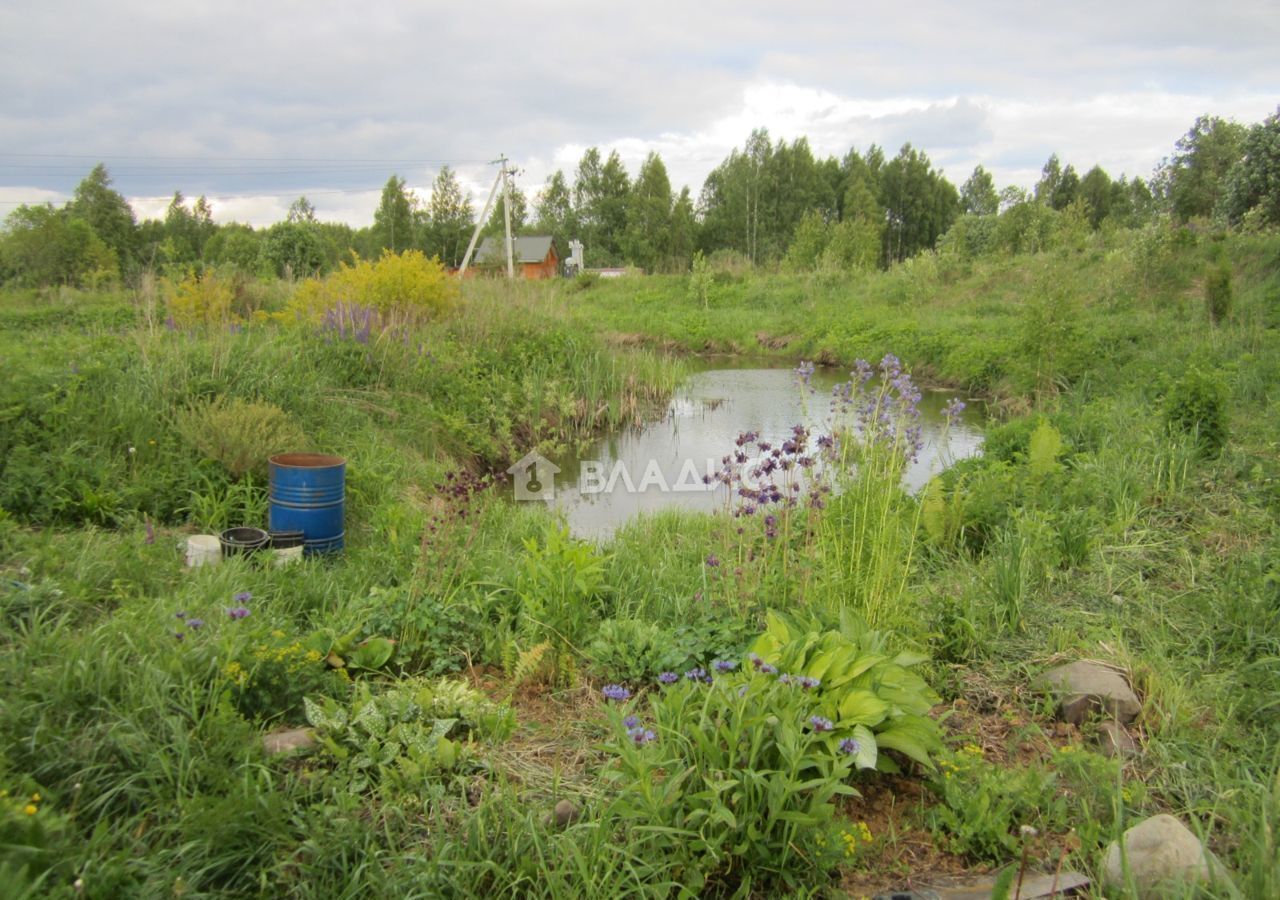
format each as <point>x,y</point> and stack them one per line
<point>535,257</point>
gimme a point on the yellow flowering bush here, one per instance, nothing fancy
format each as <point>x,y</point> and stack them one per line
<point>405,286</point>
<point>200,300</point>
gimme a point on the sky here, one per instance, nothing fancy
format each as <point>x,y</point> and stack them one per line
<point>255,103</point>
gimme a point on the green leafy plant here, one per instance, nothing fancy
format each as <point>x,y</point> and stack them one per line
<point>985,805</point>
<point>558,588</point>
<point>239,434</point>
<point>1197,405</point>
<point>1217,292</point>
<point>870,693</point>
<point>406,733</point>
<point>734,780</point>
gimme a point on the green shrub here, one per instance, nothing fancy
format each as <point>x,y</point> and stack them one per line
<point>1197,405</point>
<point>240,434</point>
<point>406,733</point>
<point>1217,292</point>
<point>985,806</point>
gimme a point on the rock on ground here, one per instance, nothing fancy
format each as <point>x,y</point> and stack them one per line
<point>1114,741</point>
<point>1085,686</point>
<point>1162,853</point>
<point>287,740</point>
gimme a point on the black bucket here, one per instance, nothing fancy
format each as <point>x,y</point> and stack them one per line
<point>243,540</point>
<point>283,540</point>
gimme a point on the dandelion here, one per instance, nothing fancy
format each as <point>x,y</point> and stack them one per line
<point>615,692</point>
<point>668,678</point>
<point>724,665</point>
<point>850,746</point>
<point>35,798</point>
<point>821,724</point>
<point>31,809</point>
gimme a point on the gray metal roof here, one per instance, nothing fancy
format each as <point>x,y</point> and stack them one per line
<point>532,249</point>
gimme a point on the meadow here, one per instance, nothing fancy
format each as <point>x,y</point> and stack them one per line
<point>821,698</point>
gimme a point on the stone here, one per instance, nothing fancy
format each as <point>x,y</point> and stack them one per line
<point>1113,740</point>
<point>1163,854</point>
<point>288,740</point>
<point>982,887</point>
<point>1083,687</point>
<point>565,813</point>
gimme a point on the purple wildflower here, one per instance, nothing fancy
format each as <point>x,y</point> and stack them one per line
<point>784,678</point>
<point>768,669</point>
<point>953,409</point>
<point>194,624</point>
<point>850,746</point>
<point>668,678</point>
<point>243,597</point>
<point>697,674</point>
<point>724,665</point>
<point>641,736</point>
<point>713,561</point>
<point>179,635</point>
<point>615,692</point>
<point>630,722</point>
<point>238,612</point>
<point>820,724</point>
<point>808,683</point>
<point>181,614</point>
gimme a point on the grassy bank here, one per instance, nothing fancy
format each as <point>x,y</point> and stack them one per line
<point>451,662</point>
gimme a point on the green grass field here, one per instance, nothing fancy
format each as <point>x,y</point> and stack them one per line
<point>451,661</point>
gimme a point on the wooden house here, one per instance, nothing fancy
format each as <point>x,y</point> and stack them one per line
<point>535,256</point>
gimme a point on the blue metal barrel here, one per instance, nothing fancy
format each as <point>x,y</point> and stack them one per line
<point>308,492</point>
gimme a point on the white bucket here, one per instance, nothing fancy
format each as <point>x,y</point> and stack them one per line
<point>287,555</point>
<point>203,550</point>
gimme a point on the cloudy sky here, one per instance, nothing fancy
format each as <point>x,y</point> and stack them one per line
<point>254,103</point>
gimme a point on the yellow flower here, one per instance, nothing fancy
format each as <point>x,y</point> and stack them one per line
<point>31,809</point>
<point>35,798</point>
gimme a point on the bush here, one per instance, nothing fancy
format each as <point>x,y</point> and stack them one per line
<point>1197,405</point>
<point>1218,293</point>
<point>200,300</point>
<point>407,285</point>
<point>240,434</point>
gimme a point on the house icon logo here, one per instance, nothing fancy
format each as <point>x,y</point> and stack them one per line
<point>534,477</point>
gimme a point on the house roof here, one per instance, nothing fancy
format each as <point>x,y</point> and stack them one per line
<point>531,249</point>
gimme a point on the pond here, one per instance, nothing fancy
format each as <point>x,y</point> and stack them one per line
<point>661,465</point>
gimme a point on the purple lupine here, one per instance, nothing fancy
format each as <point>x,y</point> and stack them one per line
<point>615,692</point>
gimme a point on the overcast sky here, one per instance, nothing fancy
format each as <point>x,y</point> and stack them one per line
<point>253,103</point>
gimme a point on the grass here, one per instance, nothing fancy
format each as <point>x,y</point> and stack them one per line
<point>1129,543</point>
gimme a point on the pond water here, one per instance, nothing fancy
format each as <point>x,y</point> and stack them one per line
<point>661,465</point>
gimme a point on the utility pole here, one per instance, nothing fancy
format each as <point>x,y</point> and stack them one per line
<point>506,214</point>
<point>501,179</point>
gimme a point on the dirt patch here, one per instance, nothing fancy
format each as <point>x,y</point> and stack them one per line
<point>774,341</point>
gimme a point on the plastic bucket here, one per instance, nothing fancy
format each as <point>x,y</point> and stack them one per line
<point>203,550</point>
<point>243,540</point>
<point>308,494</point>
<point>283,540</point>
<point>287,555</point>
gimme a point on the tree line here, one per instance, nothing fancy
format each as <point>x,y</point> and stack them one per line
<point>767,203</point>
